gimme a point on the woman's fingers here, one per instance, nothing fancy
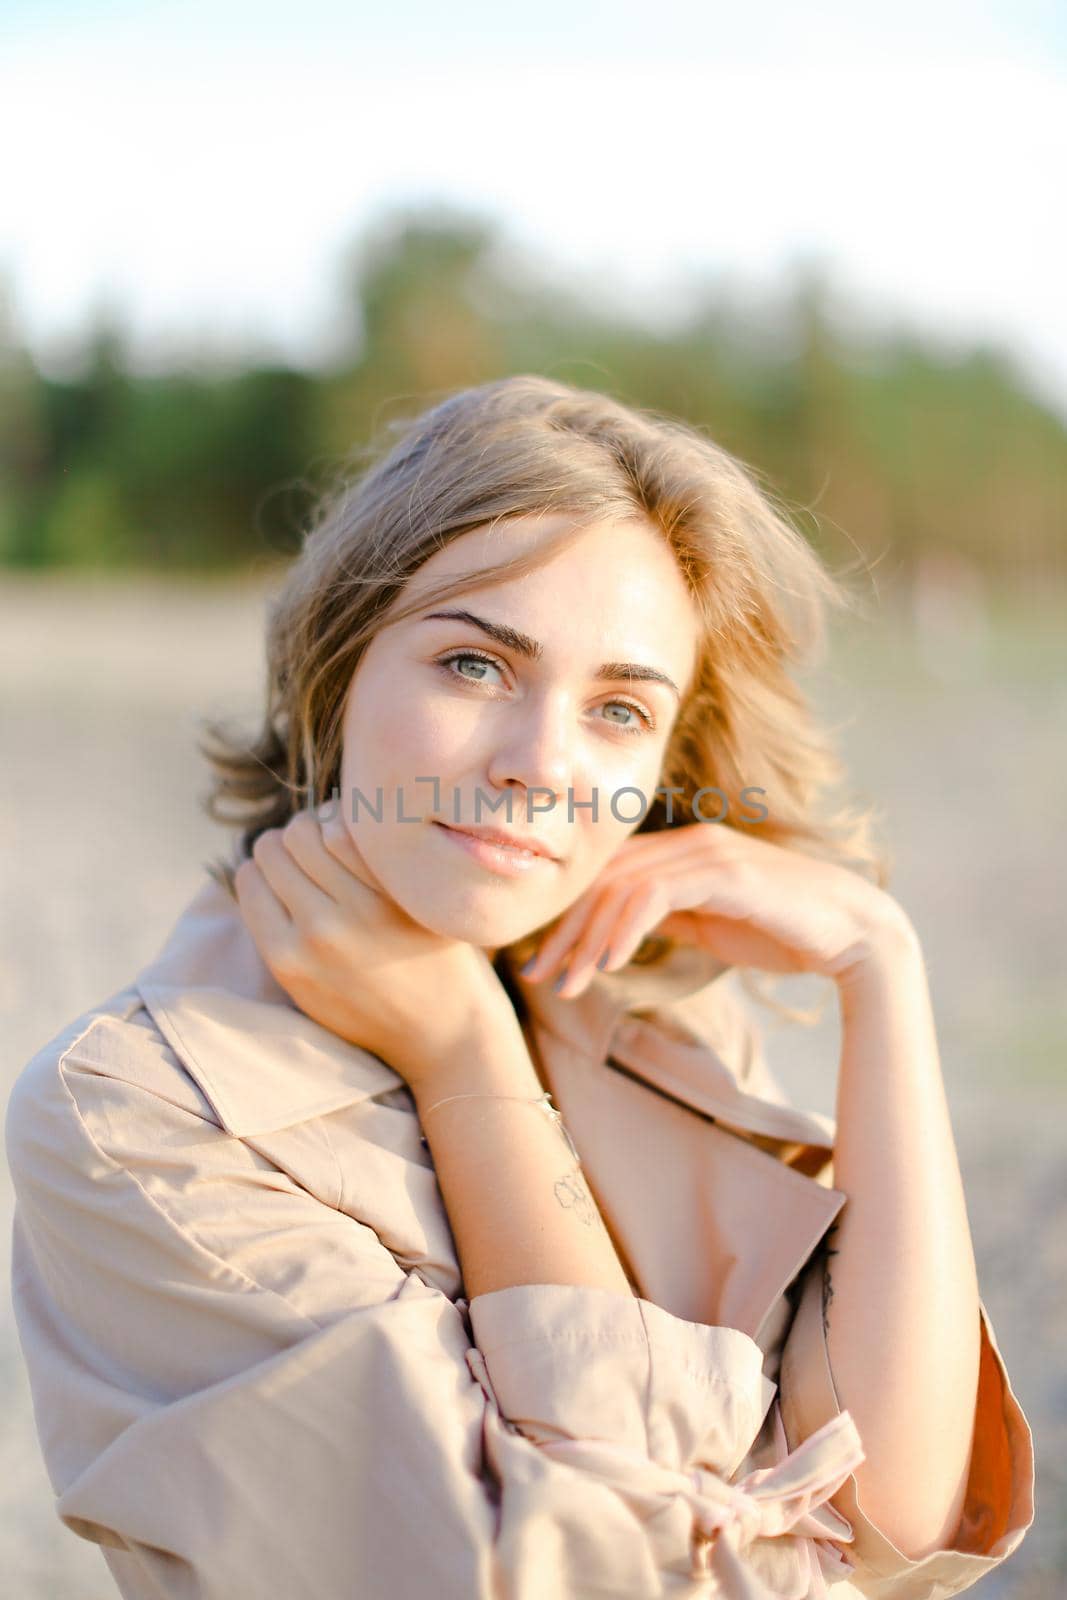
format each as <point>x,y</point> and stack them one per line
<point>643,910</point>
<point>689,842</point>
<point>598,934</point>
<point>559,939</point>
<point>295,888</point>
<point>637,912</point>
<point>679,853</point>
<point>265,917</point>
<point>619,915</point>
<point>308,842</point>
<point>574,932</point>
<point>620,921</point>
<point>340,844</point>
<point>303,898</point>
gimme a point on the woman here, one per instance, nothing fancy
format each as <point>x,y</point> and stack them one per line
<point>318,1295</point>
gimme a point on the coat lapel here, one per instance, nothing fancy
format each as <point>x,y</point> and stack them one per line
<point>263,1064</point>
<point>679,1029</point>
<point>714,1188</point>
<point>704,1173</point>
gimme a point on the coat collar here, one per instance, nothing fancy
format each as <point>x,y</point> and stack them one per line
<point>264,1065</point>
<point>680,1030</point>
<point>729,1220</point>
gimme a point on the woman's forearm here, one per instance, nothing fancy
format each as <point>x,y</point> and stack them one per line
<point>901,1297</point>
<point>518,1204</point>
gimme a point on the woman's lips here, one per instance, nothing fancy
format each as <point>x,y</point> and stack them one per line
<point>507,860</point>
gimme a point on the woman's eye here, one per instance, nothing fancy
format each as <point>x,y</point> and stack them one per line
<point>641,721</point>
<point>448,662</point>
<point>644,722</point>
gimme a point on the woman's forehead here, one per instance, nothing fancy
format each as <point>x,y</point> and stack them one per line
<point>619,597</point>
<point>624,565</point>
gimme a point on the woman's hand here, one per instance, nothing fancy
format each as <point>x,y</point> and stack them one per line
<point>353,961</point>
<point>750,902</point>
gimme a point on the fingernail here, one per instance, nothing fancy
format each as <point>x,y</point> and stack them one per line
<point>605,958</point>
<point>528,966</point>
<point>560,981</point>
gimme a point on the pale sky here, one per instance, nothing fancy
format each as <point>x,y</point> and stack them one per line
<point>205,164</point>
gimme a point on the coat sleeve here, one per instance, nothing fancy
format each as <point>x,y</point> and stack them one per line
<point>999,1502</point>
<point>239,1391</point>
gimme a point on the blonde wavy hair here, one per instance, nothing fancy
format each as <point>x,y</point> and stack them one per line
<point>527,446</point>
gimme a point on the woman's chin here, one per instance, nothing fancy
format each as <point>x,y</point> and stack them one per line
<point>490,927</point>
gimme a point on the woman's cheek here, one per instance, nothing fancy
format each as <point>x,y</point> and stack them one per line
<point>627,791</point>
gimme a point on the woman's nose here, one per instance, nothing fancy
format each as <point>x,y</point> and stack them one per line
<point>535,750</point>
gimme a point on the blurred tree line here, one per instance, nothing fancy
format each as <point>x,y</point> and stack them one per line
<point>881,447</point>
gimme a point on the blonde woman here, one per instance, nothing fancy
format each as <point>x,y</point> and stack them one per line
<point>357,1256</point>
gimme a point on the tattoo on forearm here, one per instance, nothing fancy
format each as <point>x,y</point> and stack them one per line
<point>827,1287</point>
<point>573,1196</point>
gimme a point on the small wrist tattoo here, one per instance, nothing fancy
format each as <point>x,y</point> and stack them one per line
<point>573,1196</point>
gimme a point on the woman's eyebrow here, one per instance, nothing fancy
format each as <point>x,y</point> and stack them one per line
<point>525,646</point>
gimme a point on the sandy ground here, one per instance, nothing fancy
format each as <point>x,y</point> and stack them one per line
<point>101,688</point>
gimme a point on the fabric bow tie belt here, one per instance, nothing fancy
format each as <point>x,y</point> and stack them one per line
<point>787,1498</point>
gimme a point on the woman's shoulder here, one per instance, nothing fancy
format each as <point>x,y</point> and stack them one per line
<point>204,1096</point>
<point>116,1039</point>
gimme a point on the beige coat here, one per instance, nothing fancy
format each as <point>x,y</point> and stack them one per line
<point>255,1374</point>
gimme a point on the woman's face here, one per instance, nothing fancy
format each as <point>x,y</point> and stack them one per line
<point>541,720</point>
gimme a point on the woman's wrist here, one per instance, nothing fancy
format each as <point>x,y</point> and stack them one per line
<point>517,1200</point>
<point>891,949</point>
<point>492,1058</point>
